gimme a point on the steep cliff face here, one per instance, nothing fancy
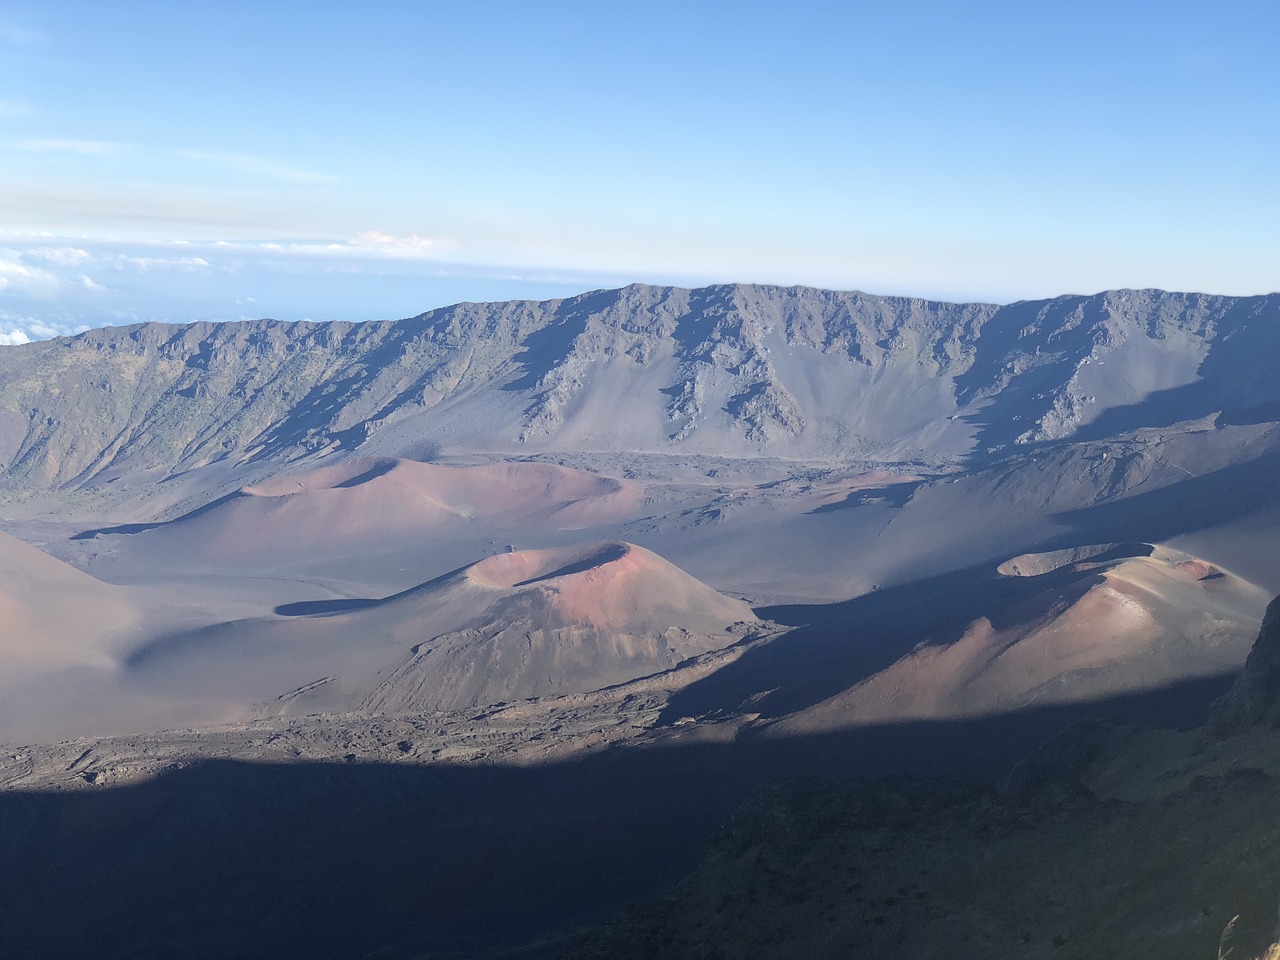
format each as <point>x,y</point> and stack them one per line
<point>172,398</point>
<point>726,371</point>
<point>1120,360</point>
<point>1254,698</point>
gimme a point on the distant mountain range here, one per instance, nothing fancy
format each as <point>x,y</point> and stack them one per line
<point>727,371</point>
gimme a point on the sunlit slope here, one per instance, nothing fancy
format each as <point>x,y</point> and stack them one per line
<point>52,616</point>
<point>517,625</point>
<point>728,370</point>
<point>364,504</point>
<point>1109,620</point>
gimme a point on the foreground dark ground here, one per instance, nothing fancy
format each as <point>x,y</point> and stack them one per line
<point>343,859</point>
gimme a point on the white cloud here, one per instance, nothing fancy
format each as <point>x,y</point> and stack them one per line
<point>17,328</point>
<point>368,244</point>
<point>410,246</point>
<point>162,263</point>
<point>16,276</point>
<point>86,148</point>
<point>259,166</point>
<point>58,285</point>
<point>39,330</point>
<point>62,256</point>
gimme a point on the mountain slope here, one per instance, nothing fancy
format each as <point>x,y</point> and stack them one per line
<point>729,371</point>
<point>1109,620</point>
<point>1107,843</point>
<point>525,624</point>
<point>366,504</point>
<point>52,616</point>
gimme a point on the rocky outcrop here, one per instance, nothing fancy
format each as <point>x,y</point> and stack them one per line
<point>1053,773</point>
<point>1254,699</point>
<point>733,370</point>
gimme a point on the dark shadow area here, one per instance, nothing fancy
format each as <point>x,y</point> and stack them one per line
<point>837,645</point>
<point>609,554</point>
<point>1163,408</point>
<point>1166,408</point>
<point>421,450</point>
<point>1123,551</point>
<point>1192,504</point>
<point>308,608</point>
<point>1229,380</point>
<point>739,404</point>
<point>381,346</point>
<point>379,469</point>
<point>1022,399</point>
<point>122,529</point>
<point>130,528</point>
<point>336,860</point>
<point>545,349</point>
<point>891,495</point>
<point>707,306</point>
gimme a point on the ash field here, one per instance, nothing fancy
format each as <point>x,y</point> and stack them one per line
<point>464,635</point>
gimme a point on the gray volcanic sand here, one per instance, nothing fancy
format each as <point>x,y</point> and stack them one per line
<point>215,586</point>
<point>64,636</point>
<point>364,586</point>
<point>513,626</point>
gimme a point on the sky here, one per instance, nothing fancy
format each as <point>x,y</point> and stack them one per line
<point>165,161</point>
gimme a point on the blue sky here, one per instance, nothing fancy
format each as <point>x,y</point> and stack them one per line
<point>182,161</point>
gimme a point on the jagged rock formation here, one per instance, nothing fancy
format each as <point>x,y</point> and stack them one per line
<point>728,370</point>
<point>1254,698</point>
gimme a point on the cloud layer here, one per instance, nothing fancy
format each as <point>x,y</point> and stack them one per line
<point>56,286</point>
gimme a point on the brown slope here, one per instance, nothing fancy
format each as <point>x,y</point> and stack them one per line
<point>52,615</point>
<point>557,621</point>
<point>1125,619</point>
<point>371,502</point>
<point>518,625</point>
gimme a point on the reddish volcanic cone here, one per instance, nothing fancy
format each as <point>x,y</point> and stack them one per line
<point>1111,620</point>
<point>524,624</point>
<point>367,502</point>
<point>612,586</point>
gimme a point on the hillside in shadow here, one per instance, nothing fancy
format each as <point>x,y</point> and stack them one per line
<point>228,859</point>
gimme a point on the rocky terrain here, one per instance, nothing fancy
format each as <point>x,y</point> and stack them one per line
<point>725,371</point>
<point>453,635</point>
<point>1107,842</point>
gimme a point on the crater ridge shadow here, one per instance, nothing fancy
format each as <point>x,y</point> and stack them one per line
<point>228,859</point>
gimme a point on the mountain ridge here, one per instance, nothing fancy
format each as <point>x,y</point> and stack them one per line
<point>730,370</point>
